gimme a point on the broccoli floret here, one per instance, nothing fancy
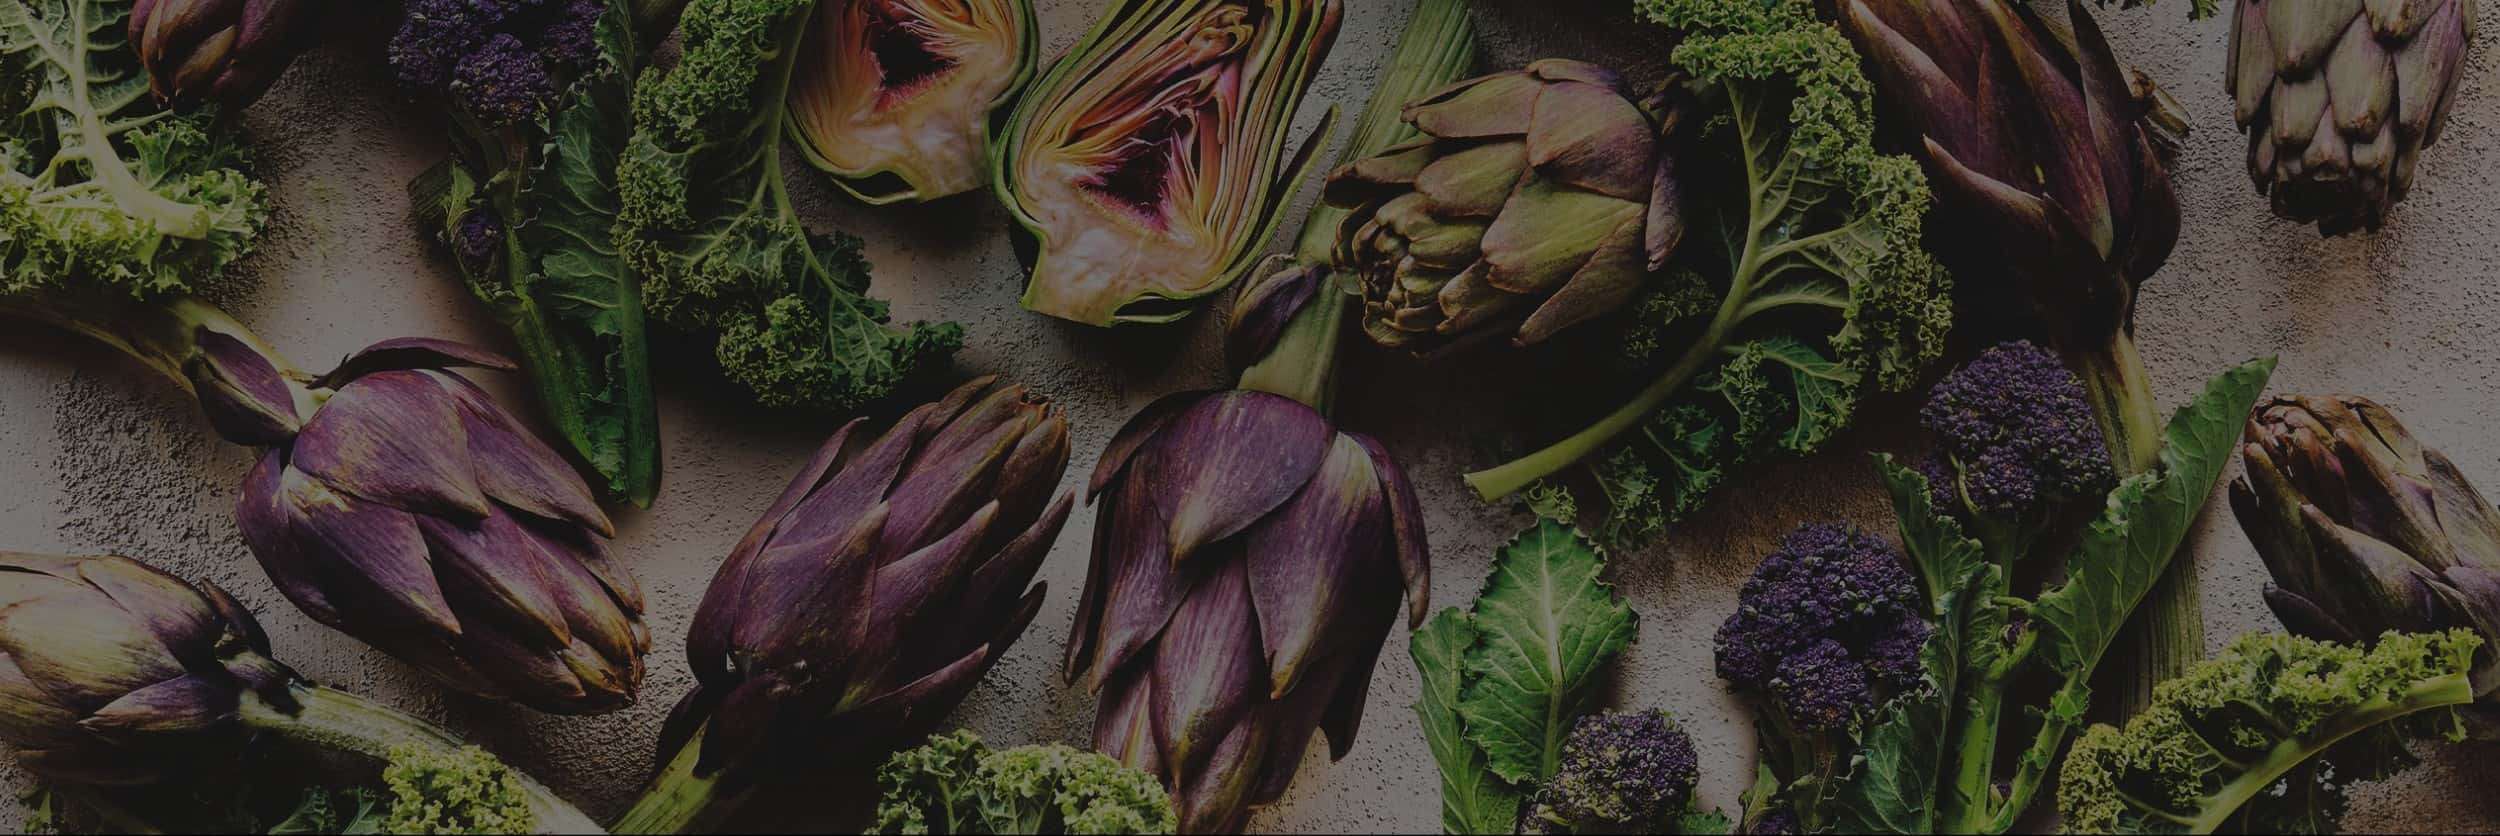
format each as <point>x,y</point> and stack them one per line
<point>2216,747</point>
<point>463,791</point>
<point>2016,435</point>
<point>479,239</point>
<point>955,784</point>
<point>1827,625</point>
<point>1620,772</point>
<point>502,61</point>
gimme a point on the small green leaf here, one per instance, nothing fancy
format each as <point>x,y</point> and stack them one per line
<point>2126,550</point>
<point>1472,799</point>
<point>1548,624</point>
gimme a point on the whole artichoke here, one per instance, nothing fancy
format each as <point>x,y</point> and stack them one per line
<point>869,599</point>
<point>225,52</point>
<point>114,673</point>
<point>1535,200</point>
<point>2366,530</point>
<point>1246,568</point>
<point>2339,97</point>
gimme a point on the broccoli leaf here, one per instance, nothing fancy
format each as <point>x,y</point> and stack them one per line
<point>2218,742</point>
<point>1548,623</point>
<point>100,190</point>
<point>1472,799</point>
<point>707,222</point>
<point>2125,551</point>
<point>557,281</point>
<point>1893,785</point>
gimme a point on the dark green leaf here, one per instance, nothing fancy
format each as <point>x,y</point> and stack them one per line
<point>1472,799</point>
<point>1548,624</point>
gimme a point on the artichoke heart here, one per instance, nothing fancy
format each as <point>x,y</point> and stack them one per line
<point>894,97</point>
<point>1149,167</point>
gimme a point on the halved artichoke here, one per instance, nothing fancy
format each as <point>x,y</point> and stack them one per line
<point>1149,168</point>
<point>894,97</point>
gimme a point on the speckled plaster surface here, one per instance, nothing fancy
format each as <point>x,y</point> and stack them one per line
<point>95,457</point>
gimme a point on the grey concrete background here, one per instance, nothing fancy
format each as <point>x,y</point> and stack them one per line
<point>96,457</point>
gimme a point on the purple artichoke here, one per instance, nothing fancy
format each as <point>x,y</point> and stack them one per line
<point>408,510</point>
<point>1246,569</point>
<point>870,598</point>
<point>226,52</point>
<point>114,673</point>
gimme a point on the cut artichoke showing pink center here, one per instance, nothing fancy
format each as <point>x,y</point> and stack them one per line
<point>894,97</point>
<point>1150,166</point>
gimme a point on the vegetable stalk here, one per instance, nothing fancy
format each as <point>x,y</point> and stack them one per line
<point>337,721</point>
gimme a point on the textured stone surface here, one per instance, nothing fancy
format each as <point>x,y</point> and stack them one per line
<point>95,457</point>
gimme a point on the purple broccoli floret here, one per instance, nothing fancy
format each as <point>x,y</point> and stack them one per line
<point>1775,823</point>
<point>481,235</point>
<point>503,82</point>
<point>502,60</point>
<point>2016,432</point>
<point>1623,770</point>
<point>1827,625</point>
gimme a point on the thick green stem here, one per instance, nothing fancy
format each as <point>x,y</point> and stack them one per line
<point>339,722</point>
<point>2167,632</point>
<point>1303,365</point>
<point>2219,807</point>
<point>678,799</point>
<point>1519,474</point>
<point>162,335</point>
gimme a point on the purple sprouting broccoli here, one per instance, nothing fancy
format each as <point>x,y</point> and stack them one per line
<point>1629,772</point>
<point>480,236</point>
<point>2015,435</point>
<point>502,61</point>
<point>1828,627</point>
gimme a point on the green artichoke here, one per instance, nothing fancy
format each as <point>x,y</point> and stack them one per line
<point>1148,169</point>
<point>893,97</point>
<point>2339,97</point>
<point>2366,530</point>
<point>1535,200</point>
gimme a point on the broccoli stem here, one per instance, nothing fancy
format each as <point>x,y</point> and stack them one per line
<point>678,798</point>
<point>2033,767</point>
<point>2168,630</point>
<point>340,722</point>
<point>2217,808</point>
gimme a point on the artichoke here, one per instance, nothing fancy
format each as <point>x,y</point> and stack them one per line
<point>1149,167</point>
<point>1246,568</point>
<point>113,673</point>
<point>225,52</point>
<point>2339,97</point>
<point>1534,200</point>
<point>2366,530</point>
<point>868,600</point>
<point>894,97</point>
<point>398,503</point>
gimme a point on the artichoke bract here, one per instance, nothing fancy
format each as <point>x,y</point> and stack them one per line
<point>894,97</point>
<point>871,597</point>
<point>1247,564</point>
<point>225,52</point>
<point>2339,98</point>
<point>2366,530</point>
<point>399,503</point>
<point>1150,166</point>
<point>1535,200</point>
<point>113,673</point>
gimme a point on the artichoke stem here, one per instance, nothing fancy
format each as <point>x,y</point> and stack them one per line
<point>1516,476</point>
<point>2168,631</point>
<point>162,335</point>
<point>678,798</point>
<point>341,722</point>
<point>1303,365</point>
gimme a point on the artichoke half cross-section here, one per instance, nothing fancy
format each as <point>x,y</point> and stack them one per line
<point>1149,167</point>
<point>894,97</point>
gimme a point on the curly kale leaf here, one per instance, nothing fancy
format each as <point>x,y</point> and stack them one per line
<point>99,190</point>
<point>2266,736</point>
<point>528,209</point>
<point>707,222</point>
<point>957,785</point>
<point>1817,293</point>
